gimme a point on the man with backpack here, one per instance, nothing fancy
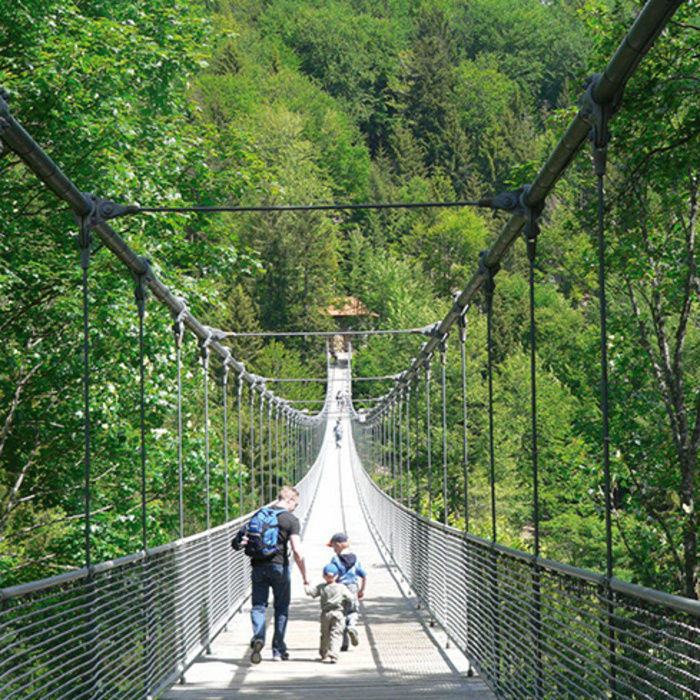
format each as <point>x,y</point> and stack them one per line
<point>265,539</point>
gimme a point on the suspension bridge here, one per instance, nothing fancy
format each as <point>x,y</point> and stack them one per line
<point>447,613</point>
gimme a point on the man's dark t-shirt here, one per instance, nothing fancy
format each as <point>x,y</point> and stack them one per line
<point>288,524</point>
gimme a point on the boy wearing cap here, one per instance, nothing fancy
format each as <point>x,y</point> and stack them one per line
<point>333,595</point>
<point>349,570</point>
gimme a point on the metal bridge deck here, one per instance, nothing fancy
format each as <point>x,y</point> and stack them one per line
<point>399,654</point>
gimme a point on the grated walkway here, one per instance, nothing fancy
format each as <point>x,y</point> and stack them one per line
<point>399,654</point>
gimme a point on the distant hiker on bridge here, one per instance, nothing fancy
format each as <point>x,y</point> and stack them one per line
<point>333,597</point>
<point>349,570</point>
<point>338,432</point>
<point>270,567</point>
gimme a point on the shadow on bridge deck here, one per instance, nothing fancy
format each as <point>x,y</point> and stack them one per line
<point>399,654</point>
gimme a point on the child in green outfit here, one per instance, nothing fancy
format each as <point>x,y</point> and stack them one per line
<point>333,595</point>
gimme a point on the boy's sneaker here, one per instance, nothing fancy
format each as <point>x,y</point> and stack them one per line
<point>256,645</point>
<point>282,656</point>
<point>354,637</point>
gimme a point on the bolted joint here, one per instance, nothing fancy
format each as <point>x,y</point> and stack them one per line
<point>141,280</point>
<point>443,350</point>
<point>224,376</point>
<point>102,210</point>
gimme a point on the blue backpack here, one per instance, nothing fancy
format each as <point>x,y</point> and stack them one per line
<point>262,532</point>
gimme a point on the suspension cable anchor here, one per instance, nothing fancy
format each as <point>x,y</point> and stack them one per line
<point>141,280</point>
<point>217,334</point>
<point>431,330</point>
<point>598,115</point>
<point>488,271</point>
<point>103,210</point>
<point>532,226</point>
<point>511,201</point>
<point>178,322</point>
<point>84,243</point>
<point>462,316</point>
<point>204,346</point>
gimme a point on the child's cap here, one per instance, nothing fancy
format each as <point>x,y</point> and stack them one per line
<point>338,537</point>
<point>330,569</point>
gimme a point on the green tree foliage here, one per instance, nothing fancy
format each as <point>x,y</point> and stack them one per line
<point>655,292</point>
<point>282,102</point>
<point>104,91</point>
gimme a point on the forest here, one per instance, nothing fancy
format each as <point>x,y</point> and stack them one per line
<point>286,102</point>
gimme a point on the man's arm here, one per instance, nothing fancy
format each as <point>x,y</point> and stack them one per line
<point>240,540</point>
<point>295,542</point>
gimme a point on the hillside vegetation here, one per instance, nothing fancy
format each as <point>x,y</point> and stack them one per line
<point>280,102</point>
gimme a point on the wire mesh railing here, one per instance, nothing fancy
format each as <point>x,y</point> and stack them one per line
<point>534,628</point>
<point>126,628</point>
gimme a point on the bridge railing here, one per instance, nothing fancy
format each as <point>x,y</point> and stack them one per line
<point>129,627</point>
<point>533,627</point>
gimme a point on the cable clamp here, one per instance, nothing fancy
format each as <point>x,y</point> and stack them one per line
<point>204,346</point>
<point>532,227</point>
<point>598,116</point>
<point>458,308</point>
<point>178,322</point>
<point>102,210</point>
<point>488,271</point>
<point>431,330</point>
<point>216,333</point>
<point>141,280</point>
<point>511,202</point>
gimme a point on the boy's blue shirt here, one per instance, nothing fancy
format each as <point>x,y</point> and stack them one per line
<point>349,568</point>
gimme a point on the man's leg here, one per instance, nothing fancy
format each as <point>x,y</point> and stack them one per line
<point>281,588</point>
<point>261,592</point>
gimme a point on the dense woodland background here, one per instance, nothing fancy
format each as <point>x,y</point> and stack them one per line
<point>305,101</point>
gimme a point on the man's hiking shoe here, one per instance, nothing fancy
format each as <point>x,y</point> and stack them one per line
<point>256,645</point>
<point>354,637</point>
